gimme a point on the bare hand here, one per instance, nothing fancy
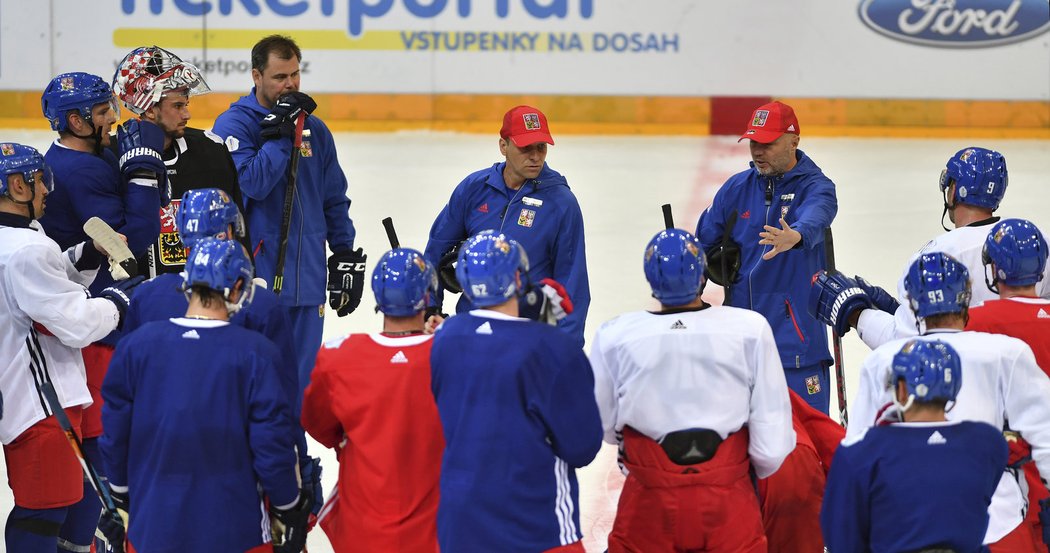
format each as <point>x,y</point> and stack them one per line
<point>782,239</point>
<point>432,323</point>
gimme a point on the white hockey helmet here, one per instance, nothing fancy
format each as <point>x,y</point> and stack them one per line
<point>148,72</point>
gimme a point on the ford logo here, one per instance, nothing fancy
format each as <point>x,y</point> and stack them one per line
<point>957,23</point>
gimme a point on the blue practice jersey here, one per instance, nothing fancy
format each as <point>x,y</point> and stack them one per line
<point>911,486</point>
<point>192,436</point>
<point>516,401</point>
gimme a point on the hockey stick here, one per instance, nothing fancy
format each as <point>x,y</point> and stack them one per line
<point>391,234</point>
<point>289,199</point>
<point>122,264</point>
<point>668,219</point>
<point>110,508</point>
<point>727,238</point>
<point>836,340</point>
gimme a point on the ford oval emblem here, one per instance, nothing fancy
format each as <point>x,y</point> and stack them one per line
<point>957,23</point>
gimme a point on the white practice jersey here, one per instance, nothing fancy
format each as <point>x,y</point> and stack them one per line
<point>965,244</point>
<point>716,368</point>
<point>46,317</point>
<point>1000,382</point>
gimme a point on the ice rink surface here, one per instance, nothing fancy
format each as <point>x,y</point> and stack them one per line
<point>889,206</point>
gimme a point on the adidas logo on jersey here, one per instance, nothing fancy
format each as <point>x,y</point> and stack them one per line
<point>191,335</point>
<point>399,357</point>
<point>678,325</point>
<point>484,208</point>
<point>485,328</point>
<point>1042,314</point>
<point>936,439</point>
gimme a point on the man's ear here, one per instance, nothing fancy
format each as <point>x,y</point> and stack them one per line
<point>503,146</point>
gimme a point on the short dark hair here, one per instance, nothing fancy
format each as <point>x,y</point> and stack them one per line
<point>208,296</point>
<point>284,47</point>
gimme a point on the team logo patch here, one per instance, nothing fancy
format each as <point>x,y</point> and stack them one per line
<point>812,384</point>
<point>532,121</point>
<point>169,243</point>
<point>760,118</point>
<point>305,150</point>
<point>320,311</point>
<point>784,210</point>
<point>526,218</point>
<point>7,149</point>
<point>66,83</point>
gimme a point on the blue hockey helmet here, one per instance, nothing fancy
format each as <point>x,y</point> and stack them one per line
<point>487,266</point>
<point>1016,251</point>
<point>74,91</point>
<point>979,175</point>
<point>221,265</point>
<point>208,213</point>
<point>674,266</point>
<point>17,159</point>
<point>931,371</point>
<point>936,283</point>
<point>401,281</point>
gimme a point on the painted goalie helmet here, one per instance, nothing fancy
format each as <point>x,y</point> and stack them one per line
<point>147,73</point>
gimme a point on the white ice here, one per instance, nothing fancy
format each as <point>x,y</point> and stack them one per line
<point>889,206</point>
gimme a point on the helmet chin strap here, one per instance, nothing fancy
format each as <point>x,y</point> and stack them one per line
<point>28,203</point>
<point>945,212</point>
<point>95,135</point>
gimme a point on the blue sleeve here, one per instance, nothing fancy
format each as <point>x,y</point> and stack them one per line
<point>712,222</point>
<point>341,231</point>
<point>816,212</point>
<point>568,407</point>
<point>449,229</point>
<point>570,269</point>
<point>117,396</point>
<point>133,211</point>
<point>261,165</point>
<point>270,431</point>
<point>845,515</point>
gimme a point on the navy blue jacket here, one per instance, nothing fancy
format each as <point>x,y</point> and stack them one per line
<point>778,288</point>
<point>320,210</point>
<point>543,216</point>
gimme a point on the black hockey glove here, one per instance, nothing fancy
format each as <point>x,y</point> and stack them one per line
<point>112,525</point>
<point>120,294</point>
<point>281,119</point>
<point>288,527</point>
<point>140,144</point>
<point>723,263</point>
<point>447,270</point>
<point>346,280</point>
<point>546,303</point>
<point>310,476</point>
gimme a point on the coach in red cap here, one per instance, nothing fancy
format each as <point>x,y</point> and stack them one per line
<point>764,236</point>
<point>525,199</point>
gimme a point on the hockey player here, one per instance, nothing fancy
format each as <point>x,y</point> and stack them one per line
<point>1003,382</point>
<point>973,184</point>
<point>46,316</point>
<point>370,396</point>
<point>126,194</point>
<point>156,85</point>
<point>191,439</point>
<point>694,395</point>
<point>769,222</point>
<point>1015,254</point>
<point>527,201</point>
<point>518,413</point>
<point>922,484</point>
<point>258,129</point>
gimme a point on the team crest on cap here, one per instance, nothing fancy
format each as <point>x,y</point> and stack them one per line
<point>760,118</point>
<point>526,218</point>
<point>649,253</point>
<point>503,246</point>
<point>66,83</point>
<point>420,263</point>
<point>966,155</point>
<point>693,250</point>
<point>7,149</point>
<point>532,121</point>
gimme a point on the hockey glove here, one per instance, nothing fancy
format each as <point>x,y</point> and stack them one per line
<point>447,270</point>
<point>112,525</point>
<point>280,122</point>
<point>310,475</point>
<point>547,303</point>
<point>833,296</point>
<point>288,527</point>
<point>882,299</point>
<point>120,294</point>
<point>140,144</point>
<point>723,263</point>
<point>346,280</point>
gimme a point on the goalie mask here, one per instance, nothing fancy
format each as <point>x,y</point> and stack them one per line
<point>148,73</point>
<point>487,266</point>
<point>223,266</point>
<point>401,282</point>
<point>1014,254</point>
<point>208,213</point>
<point>931,371</point>
<point>674,267</point>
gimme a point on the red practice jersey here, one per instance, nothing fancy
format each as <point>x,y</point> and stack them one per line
<point>373,391</point>
<point>1024,318</point>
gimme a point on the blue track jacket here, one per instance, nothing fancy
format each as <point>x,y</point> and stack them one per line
<point>778,288</point>
<point>262,168</point>
<point>543,216</point>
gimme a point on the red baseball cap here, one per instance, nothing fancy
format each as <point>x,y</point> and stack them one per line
<point>770,121</point>
<point>525,125</point>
